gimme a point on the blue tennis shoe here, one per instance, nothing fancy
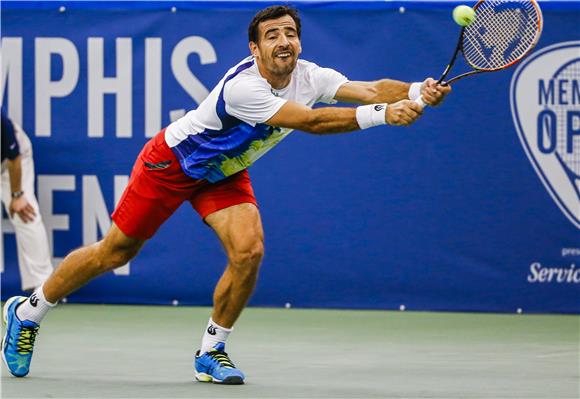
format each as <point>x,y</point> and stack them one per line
<point>18,340</point>
<point>215,366</point>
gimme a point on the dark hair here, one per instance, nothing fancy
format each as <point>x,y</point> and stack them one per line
<point>272,12</point>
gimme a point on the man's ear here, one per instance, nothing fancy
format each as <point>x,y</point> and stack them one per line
<point>254,49</point>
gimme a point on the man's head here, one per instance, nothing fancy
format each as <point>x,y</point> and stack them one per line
<point>274,36</point>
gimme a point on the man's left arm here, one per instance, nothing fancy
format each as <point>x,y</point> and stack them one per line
<point>390,91</point>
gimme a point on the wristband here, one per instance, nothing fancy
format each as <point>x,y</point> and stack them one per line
<point>415,90</point>
<point>371,115</point>
<point>17,194</point>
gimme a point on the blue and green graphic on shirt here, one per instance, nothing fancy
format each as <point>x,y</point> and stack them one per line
<point>257,148</point>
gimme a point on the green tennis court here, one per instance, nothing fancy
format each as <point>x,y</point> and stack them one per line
<point>92,351</point>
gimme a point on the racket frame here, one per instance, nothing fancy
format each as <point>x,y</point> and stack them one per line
<point>459,48</point>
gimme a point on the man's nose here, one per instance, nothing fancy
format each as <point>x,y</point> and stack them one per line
<point>283,41</point>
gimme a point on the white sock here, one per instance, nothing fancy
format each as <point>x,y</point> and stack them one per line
<point>214,334</point>
<point>35,307</point>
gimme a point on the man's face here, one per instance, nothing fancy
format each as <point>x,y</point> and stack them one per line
<point>278,46</point>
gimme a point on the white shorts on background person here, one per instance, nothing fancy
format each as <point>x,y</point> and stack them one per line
<point>34,259</point>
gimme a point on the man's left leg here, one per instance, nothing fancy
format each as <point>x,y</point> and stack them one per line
<point>239,228</point>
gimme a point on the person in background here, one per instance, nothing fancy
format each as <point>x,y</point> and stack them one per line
<point>18,197</point>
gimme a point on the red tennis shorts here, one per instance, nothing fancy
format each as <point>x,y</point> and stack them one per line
<point>158,186</point>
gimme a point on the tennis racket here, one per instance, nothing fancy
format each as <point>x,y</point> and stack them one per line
<point>502,34</point>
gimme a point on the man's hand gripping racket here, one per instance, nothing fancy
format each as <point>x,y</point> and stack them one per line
<point>502,34</point>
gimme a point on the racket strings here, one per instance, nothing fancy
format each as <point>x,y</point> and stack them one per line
<point>501,25</point>
<point>492,38</point>
<point>488,44</point>
<point>503,31</point>
<point>487,36</point>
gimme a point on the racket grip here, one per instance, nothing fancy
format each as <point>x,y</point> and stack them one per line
<point>420,101</point>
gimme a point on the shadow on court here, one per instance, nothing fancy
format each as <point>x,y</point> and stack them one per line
<point>94,351</point>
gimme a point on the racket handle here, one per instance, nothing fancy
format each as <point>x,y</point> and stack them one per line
<point>420,101</point>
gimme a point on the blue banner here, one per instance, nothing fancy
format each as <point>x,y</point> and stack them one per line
<point>469,209</point>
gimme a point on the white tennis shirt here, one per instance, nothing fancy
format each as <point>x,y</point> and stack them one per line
<point>227,133</point>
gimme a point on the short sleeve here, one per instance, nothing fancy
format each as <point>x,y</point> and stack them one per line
<point>10,147</point>
<point>327,82</point>
<point>251,100</point>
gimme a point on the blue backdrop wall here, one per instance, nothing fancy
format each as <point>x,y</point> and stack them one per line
<point>457,212</point>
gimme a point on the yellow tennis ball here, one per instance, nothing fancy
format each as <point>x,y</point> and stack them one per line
<point>463,15</point>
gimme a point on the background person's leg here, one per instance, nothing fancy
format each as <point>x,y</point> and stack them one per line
<point>34,259</point>
<point>5,196</point>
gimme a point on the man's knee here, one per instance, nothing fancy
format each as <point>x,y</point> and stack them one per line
<point>116,250</point>
<point>121,256</point>
<point>108,258</point>
<point>248,257</point>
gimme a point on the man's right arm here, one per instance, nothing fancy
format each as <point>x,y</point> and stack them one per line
<point>328,120</point>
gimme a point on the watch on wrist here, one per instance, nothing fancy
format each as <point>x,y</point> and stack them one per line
<point>17,194</point>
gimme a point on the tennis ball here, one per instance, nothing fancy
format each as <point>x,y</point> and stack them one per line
<point>463,15</point>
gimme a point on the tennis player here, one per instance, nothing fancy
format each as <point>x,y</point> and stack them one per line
<point>202,158</point>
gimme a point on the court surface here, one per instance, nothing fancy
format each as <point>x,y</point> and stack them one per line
<point>102,351</point>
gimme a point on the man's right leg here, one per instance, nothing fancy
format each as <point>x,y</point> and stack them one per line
<point>86,263</point>
<point>152,195</point>
<point>23,315</point>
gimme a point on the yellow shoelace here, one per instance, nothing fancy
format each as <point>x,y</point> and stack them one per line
<point>26,340</point>
<point>222,358</point>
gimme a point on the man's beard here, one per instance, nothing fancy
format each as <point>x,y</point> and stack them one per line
<point>284,70</point>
